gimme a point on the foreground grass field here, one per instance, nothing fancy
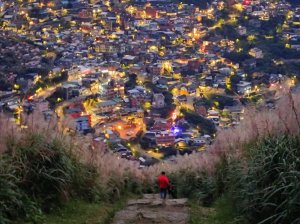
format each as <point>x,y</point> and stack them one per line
<point>220,213</point>
<point>79,212</point>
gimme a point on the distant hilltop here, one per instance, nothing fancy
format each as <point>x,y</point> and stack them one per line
<point>204,3</point>
<point>200,3</point>
<point>294,2</point>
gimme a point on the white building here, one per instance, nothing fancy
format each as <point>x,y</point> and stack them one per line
<point>242,30</point>
<point>256,53</point>
<point>158,100</point>
<point>244,87</point>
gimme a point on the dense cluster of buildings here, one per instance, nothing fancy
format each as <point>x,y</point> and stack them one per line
<point>133,66</point>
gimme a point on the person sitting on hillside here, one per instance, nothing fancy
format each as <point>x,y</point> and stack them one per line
<point>163,183</point>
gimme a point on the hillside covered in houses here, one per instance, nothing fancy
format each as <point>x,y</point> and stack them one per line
<point>97,98</point>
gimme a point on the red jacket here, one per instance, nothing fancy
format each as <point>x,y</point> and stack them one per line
<point>163,182</point>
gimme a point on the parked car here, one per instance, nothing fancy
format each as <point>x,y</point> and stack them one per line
<point>118,150</point>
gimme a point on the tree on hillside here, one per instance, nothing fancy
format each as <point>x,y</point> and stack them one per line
<point>237,57</point>
<point>203,102</point>
<point>206,126</point>
<point>132,82</point>
<point>228,31</point>
<point>222,100</point>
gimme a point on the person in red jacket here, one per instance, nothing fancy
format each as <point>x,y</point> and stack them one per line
<point>163,184</point>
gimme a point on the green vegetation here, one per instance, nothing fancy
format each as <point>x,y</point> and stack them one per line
<point>220,213</point>
<point>80,211</point>
<point>220,101</point>
<point>265,187</point>
<point>39,175</point>
<point>206,126</point>
<point>203,102</point>
<point>293,2</point>
<point>262,187</point>
<point>132,82</point>
<point>227,31</point>
<point>267,38</point>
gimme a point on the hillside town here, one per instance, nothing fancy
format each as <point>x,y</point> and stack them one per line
<point>147,80</point>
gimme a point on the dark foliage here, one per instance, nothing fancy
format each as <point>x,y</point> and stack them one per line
<point>131,83</point>
<point>222,100</point>
<point>206,126</point>
<point>38,174</point>
<point>265,188</point>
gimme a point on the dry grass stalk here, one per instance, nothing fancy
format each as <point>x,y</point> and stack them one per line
<point>256,125</point>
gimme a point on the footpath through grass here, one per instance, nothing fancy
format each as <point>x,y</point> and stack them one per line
<point>79,212</point>
<point>82,212</point>
<point>220,213</point>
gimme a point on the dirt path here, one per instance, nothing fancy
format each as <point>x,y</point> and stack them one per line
<point>152,210</point>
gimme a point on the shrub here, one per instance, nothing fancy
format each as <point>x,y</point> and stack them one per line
<point>14,203</point>
<point>206,125</point>
<point>194,185</point>
<point>40,173</point>
<point>266,185</point>
<point>45,168</point>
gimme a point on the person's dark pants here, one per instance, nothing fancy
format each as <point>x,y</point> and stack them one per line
<point>163,193</point>
<point>172,192</point>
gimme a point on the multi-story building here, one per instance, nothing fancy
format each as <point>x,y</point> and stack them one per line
<point>165,138</point>
<point>107,106</point>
